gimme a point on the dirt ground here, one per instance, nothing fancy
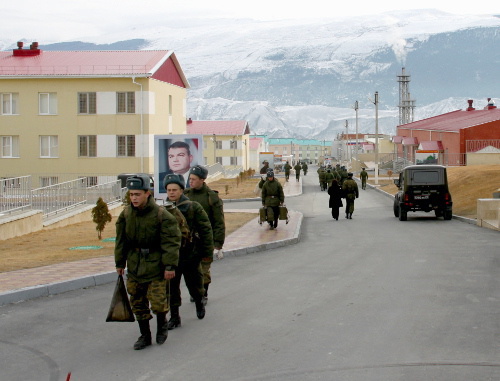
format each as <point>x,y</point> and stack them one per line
<point>55,245</point>
<point>46,247</point>
<point>466,184</point>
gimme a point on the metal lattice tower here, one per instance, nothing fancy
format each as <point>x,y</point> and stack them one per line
<point>406,104</point>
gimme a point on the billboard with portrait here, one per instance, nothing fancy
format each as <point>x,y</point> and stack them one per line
<point>175,154</point>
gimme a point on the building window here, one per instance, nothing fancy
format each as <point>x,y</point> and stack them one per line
<point>88,181</point>
<point>9,147</point>
<point>169,105</point>
<point>48,181</point>
<point>49,146</point>
<point>218,160</point>
<point>205,160</point>
<point>86,103</point>
<point>125,103</point>
<point>125,145</point>
<point>8,103</point>
<point>47,104</point>
<point>205,145</point>
<point>218,144</point>
<point>234,160</point>
<point>87,146</point>
<point>233,144</point>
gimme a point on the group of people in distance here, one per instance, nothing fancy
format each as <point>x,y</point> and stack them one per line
<point>340,184</point>
<point>158,246</point>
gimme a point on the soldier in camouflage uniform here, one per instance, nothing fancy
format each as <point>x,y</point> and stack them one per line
<point>364,176</point>
<point>272,197</point>
<point>350,189</point>
<point>287,167</point>
<point>214,207</point>
<point>297,168</point>
<point>191,253</point>
<point>328,179</point>
<point>321,176</point>
<point>147,243</point>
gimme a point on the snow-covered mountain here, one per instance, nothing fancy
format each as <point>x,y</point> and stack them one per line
<point>300,79</point>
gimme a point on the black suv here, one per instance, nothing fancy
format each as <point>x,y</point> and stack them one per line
<point>423,188</point>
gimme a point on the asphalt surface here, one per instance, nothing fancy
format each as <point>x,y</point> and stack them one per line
<point>371,298</point>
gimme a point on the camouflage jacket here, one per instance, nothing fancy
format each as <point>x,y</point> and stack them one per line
<point>214,207</point>
<point>272,193</point>
<point>154,231</point>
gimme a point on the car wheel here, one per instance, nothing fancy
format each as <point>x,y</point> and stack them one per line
<point>448,215</point>
<point>396,208</point>
<point>402,214</point>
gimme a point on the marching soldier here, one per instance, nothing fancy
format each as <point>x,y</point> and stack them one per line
<point>147,242</point>
<point>350,189</point>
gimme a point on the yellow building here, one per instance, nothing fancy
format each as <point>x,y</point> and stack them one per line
<point>225,142</point>
<point>65,115</point>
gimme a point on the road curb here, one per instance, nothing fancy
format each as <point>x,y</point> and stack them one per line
<point>24,294</point>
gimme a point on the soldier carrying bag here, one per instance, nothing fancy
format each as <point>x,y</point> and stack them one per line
<point>120,309</point>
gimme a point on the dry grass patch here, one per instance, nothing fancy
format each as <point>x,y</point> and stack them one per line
<point>52,246</point>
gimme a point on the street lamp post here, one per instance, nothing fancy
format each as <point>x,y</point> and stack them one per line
<point>214,139</point>
<point>356,108</point>
<point>347,140</point>
<point>376,137</point>
<point>234,142</point>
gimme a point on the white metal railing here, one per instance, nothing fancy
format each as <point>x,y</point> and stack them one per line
<point>15,194</point>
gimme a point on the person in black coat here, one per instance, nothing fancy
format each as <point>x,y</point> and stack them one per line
<point>335,192</point>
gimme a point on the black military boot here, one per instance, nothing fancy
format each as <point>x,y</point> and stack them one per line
<point>145,339</point>
<point>200,309</point>
<point>162,328</point>
<point>175,319</point>
<point>350,216</point>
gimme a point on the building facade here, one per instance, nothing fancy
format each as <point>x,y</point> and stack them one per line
<point>67,115</point>
<point>225,142</point>
<point>311,151</point>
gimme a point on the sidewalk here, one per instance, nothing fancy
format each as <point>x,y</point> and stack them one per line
<point>16,286</point>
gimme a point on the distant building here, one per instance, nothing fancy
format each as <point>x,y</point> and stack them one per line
<point>226,142</point>
<point>311,151</point>
<point>93,114</point>
<point>452,138</point>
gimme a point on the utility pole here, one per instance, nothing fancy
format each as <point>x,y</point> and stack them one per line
<point>347,141</point>
<point>356,108</point>
<point>376,137</point>
<point>214,139</point>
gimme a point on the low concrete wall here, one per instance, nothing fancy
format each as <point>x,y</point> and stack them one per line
<point>488,213</point>
<point>483,159</point>
<point>21,224</point>
<point>32,221</point>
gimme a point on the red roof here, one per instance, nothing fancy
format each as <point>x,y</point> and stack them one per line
<point>218,127</point>
<point>137,63</point>
<point>431,146</point>
<point>410,141</point>
<point>455,120</point>
<point>255,142</point>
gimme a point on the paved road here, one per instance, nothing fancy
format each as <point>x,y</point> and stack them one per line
<point>370,298</point>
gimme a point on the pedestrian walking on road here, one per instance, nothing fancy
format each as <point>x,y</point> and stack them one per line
<point>214,207</point>
<point>287,168</point>
<point>350,189</point>
<point>335,202</point>
<point>272,197</point>
<point>297,168</point>
<point>364,176</point>
<point>200,245</point>
<point>147,243</point>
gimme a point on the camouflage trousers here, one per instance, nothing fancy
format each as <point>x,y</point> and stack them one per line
<point>349,205</point>
<point>142,295</point>
<point>205,269</point>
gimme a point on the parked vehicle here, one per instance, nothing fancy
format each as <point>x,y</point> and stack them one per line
<point>423,188</point>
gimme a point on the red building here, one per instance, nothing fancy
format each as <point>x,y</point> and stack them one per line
<point>449,137</point>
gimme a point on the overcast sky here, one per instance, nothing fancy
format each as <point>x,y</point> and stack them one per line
<point>49,19</point>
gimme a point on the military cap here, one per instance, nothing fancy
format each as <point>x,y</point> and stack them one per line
<point>349,174</point>
<point>174,179</point>
<point>138,182</point>
<point>199,171</point>
<point>270,173</point>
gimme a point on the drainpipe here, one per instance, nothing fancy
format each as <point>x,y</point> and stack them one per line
<point>142,124</point>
